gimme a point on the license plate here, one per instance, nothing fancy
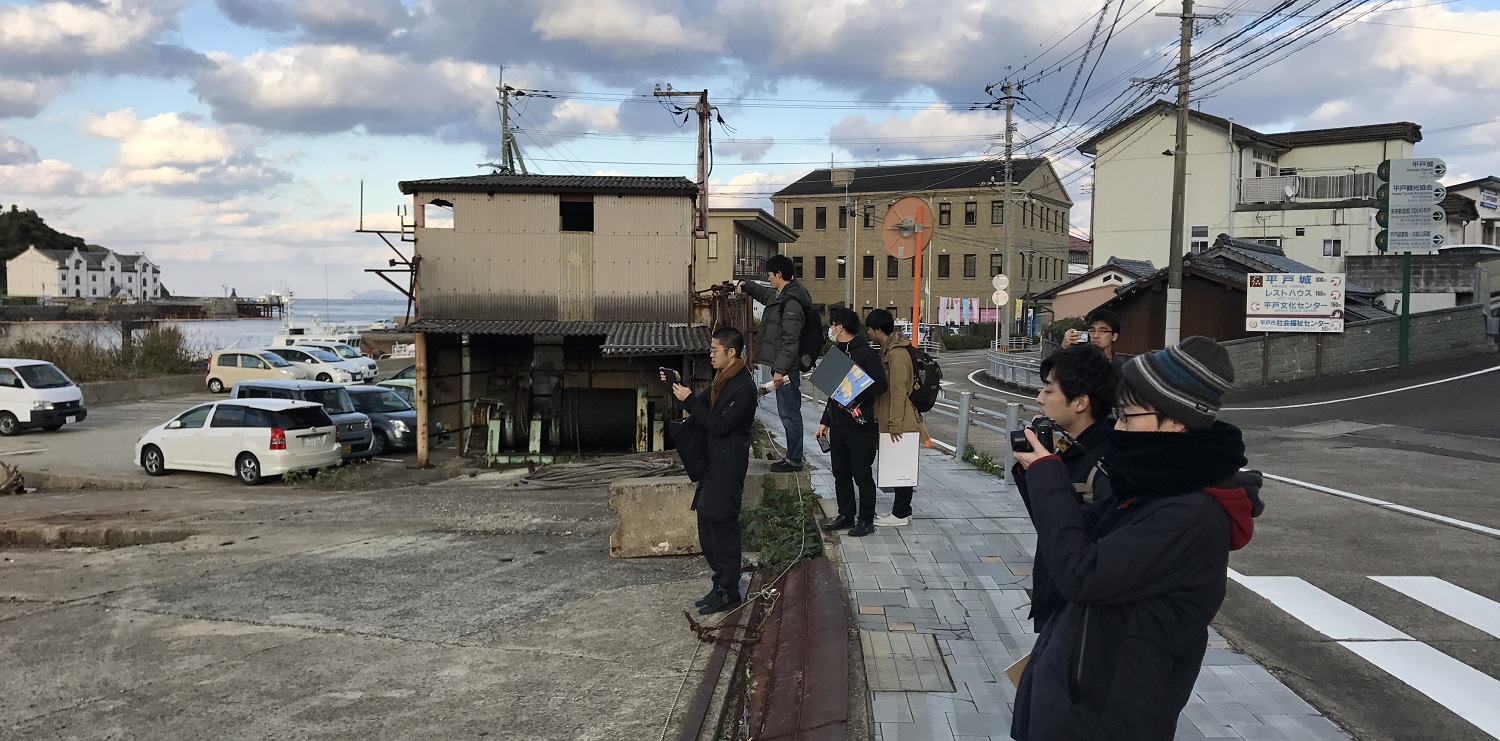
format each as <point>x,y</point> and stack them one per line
<point>348,449</point>
<point>72,419</point>
<point>316,441</point>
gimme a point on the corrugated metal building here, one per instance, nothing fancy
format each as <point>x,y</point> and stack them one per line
<point>545,303</point>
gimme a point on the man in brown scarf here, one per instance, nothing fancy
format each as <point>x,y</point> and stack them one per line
<point>726,413</point>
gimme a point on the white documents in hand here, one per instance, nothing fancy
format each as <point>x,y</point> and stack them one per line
<point>898,460</point>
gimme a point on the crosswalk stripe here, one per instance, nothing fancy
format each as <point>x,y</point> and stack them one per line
<point>1466,691</point>
<point>1450,599</point>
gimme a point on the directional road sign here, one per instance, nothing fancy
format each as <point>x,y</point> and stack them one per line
<point>1397,195</point>
<point>1000,282</point>
<point>1410,217</point>
<point>1405,240</point>
<point>1294,302</point>
<point>1412,171</point>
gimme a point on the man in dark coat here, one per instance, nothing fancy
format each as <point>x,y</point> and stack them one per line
<point>852,431</point>
<point>726,411</point>
<point>1143,574</point>
<point>786,302</point>
<point>1078,394</point>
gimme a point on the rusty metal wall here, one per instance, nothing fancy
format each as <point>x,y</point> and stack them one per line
<point>719,306</point>
<point>505,258</point>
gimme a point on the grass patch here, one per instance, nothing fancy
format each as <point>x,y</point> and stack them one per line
<point>162,351</point>
<point>984,461</point>
<point>782,529</point>
<point>352,476</point>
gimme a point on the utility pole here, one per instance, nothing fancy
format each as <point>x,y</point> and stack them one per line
<point>849,247</point>
<point>1179,180</point>
<point>1003,316</point>
<point>704,111</point>
<point>510,153</point>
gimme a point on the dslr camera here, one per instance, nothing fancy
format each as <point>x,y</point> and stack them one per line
<point>1046,434</point>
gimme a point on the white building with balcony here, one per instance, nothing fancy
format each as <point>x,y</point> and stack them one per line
<point>79,274</point>
<point>1311,193</point>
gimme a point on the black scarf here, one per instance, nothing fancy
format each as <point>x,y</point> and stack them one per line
<point>1172,463</point>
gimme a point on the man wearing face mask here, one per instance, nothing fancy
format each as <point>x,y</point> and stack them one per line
<point>852,431</point>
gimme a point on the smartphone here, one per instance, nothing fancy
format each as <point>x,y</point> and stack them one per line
<point>824,444</point>
<point>671,375</point>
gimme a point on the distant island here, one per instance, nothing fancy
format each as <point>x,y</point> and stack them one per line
<point>373,296</point>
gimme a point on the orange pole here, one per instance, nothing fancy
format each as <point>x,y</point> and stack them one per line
<point>916,280</point>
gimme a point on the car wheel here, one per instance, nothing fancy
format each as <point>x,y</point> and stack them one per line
<point>247,468</point>
<point>216,386</point>
<point>324,377</point>
<point>380,444</point>
<point>9,425</point>
<point>152,461</point>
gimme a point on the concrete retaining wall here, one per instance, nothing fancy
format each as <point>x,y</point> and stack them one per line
<point>1435,335</point>
<point>654,515</point>
<point>114,392</point>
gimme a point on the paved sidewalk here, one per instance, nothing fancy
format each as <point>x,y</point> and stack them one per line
<point>942,606</point>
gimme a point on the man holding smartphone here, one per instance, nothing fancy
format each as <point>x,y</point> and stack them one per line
<point>1103,330</point>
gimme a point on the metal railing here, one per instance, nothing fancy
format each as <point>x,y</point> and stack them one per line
<point>961,407</point>
<point>1015,370</point>
<point>1308,187</point>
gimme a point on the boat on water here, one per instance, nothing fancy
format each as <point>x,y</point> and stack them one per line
<point>314,331</point>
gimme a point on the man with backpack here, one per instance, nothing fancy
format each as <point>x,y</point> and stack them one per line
<point>894,410</point>
<point>782,346</point>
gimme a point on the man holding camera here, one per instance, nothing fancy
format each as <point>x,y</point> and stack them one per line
<point>780,335</point>
<point>726,411</point>
<point>894,410</point>
<point>1143,573</point>
<point>852,432</point>
<point>1077,396</point>
<point>1103,330</point>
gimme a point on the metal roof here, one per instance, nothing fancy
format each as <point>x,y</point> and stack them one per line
<point>620,338</point>
<point>907,178</point>
<point>553,184</point>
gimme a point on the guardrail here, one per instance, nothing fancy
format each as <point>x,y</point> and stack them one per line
<point>1017,371</point>
<point>963,410</point>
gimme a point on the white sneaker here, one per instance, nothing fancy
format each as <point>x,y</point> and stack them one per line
<point>891,521</point>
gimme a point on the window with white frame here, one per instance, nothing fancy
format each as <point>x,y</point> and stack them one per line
<point>1200,239</point>
<point>1333,248</point>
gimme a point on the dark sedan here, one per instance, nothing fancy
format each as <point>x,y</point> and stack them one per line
<point>395,421</point>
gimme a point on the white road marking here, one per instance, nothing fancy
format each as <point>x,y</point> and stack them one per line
<point>1472,527</point>
<point>1363,396</point>
<point>1467,692</point>
<point>1449,599</point>
<point>999,390</point>
<point>24,452</point>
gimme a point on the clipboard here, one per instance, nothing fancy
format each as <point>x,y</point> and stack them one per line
<point>898,463</point>
<point>840,378</point>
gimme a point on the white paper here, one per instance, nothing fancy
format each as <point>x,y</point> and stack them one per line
<point>898,460</point>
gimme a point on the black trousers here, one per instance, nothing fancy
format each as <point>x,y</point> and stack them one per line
<point>852,449</point>
<point>902,506</point>
<point>720,541</point>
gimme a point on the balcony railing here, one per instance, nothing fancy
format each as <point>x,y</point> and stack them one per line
<point>1308,188</point>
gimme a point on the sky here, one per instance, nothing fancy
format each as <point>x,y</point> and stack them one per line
<point>228,139</point>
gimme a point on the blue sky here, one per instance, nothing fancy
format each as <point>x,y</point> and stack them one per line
<point>227,138</point>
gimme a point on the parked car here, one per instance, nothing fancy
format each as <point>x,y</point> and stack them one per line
<point>355,435</point>
<point>404,388</point>
<point>320,364</point>
<point>409,373</point>
<point>384,325</point>
<point>249,439</point>
<point>228,367</point>
<point>345,352</point>
<point>394,419</point>
<point>35,393</point>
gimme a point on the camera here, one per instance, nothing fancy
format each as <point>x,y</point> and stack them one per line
<point>1083,337</point>
<point>1046,434</point>
<point>670,376</point>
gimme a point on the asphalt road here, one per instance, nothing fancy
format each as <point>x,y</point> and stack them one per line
<point>1425,438</point>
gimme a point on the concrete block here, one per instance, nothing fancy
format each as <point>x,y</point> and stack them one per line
<point>759,477</point>
<point>97,393</point>
<point>655,517</point>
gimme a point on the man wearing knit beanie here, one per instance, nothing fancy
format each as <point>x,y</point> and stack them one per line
<point>1143,572</point>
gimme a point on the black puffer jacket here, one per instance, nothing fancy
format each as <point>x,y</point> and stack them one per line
<point>1141,584</point>
<point>780,324</point>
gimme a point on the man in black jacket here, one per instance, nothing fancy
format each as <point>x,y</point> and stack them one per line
<point>786,302</point>
<point>726,410</point>
<point>1143,574</point>
<point>852,433</point>
<point>1078,395</point>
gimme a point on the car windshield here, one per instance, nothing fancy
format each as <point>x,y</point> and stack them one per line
<point>322,355</point>
<point>345,351</point>
<point>275,360</point>
<point>44,376</point>
<point>382,402</point>
<point>336,401</point>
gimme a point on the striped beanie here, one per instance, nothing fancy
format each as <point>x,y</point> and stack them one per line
<point>1186,382</point>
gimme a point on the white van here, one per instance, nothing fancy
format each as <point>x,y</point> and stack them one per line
<point>34,393</point>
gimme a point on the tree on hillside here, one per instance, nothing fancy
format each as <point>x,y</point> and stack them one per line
<point>20,229</point>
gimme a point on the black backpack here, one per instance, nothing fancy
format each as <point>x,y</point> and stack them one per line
<point>810,344</point>
<point>927,379</point>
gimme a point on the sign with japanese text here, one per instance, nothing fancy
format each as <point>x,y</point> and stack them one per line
<point>1294,302</point>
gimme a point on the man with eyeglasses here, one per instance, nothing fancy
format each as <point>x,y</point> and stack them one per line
<point>1104,330</point>
<point>1143,572</point>
<point>1078,392</point>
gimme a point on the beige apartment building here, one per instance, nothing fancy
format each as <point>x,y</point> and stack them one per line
<point>838,213</point>
<point>739,242</point>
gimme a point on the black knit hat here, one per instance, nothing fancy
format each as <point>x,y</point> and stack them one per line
<point>1186,382</point>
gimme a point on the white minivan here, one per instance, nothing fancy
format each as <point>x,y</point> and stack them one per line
<point>34,393</point>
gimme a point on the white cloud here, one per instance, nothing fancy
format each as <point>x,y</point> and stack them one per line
<point>936,131</point>
<point>46,178</point>
<point>13,151</point>
<point>749,190</point>
<point>175,155</point>
<point>748,150</point>
<point>101,29</point>
<point>26,98</point>
<point>571,115</point>
<point>621,26</point>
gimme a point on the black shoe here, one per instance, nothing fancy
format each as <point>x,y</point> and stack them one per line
<point>842,522</point>
<point>862,529</point>
<point>785,466</point>
<point>704,599</point>
<point>719,602</point>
